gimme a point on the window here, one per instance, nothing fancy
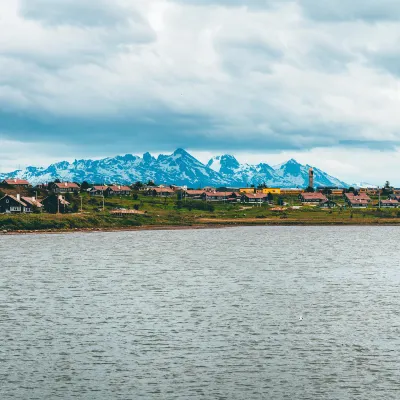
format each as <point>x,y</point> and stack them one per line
<point>7,201</point>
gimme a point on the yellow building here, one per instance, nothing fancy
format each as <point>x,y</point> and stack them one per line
<point>271,190</point>
<point>248,190</point>
<point>263,191</point>
<point>290,192</point>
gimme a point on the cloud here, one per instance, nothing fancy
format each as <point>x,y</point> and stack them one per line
<point>261,76</point>
<point>365,10</point>
<point>92,13</point>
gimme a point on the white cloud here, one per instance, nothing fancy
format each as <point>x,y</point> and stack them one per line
<point>265,76</point>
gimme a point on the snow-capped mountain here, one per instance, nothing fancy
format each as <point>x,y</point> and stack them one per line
<point>178,168</point>
<point>362,185</point>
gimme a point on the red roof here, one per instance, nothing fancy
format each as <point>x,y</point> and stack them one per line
<point>163,190</point>
<point>255,195</point>
<point>117,188</point>
<point>32,201</point>
<point>218,194</point>
<point>359,196</point>
<point>16,182</point>
<point>70,185</point>
<point>195,192</point>
<point>313,196</point>
<point>99,188</point>
<point>358,200</point>
<point>389,202</point>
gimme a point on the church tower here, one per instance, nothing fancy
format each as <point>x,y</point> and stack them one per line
<point>311,177</point>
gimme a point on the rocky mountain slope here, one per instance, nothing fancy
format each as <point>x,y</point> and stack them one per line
<point>178,168</point>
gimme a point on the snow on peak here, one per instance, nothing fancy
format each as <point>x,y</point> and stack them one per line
<point>179,168</point>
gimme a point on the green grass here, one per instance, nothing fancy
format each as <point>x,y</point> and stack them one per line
<point>170,212</point>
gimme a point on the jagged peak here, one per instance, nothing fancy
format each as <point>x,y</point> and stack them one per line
<point>182,152</point>
<point>147,157</point>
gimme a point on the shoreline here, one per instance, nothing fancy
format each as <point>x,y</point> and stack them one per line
<point>216,225</point>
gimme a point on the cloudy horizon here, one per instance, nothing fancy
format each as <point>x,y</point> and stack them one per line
<point>264,80</point>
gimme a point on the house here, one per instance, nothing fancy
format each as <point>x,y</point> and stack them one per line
<point>327,204</point>
<point>161,192</point>
<point>16,182</point>
<point>388,203</point>
<point>97,190</point>
<point>32,203</point>
<point>116,190</point>
<point>65,187</point>
<point>394,196</point>
<point>193,194</point>
<point>312,198</point>
<point>255,198</point>
<point>13,204</point>
<point>357,201</point>
<point>220,196</point>
<point>56,204</point>
<point>361,195</point>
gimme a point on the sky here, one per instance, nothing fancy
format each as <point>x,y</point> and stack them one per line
<point>265,80</point>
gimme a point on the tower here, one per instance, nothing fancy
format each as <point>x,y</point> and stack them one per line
<point>311,178</point>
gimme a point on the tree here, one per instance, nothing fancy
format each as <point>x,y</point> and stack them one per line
<point>84,186</point>
<point>387,189</point>
<point>270,197</point>
<point>137,185</point>
<point>310,190</point>
<point>151,183</point>
<point>326,191</point>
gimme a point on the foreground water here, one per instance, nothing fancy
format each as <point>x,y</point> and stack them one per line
<point>243,313</point>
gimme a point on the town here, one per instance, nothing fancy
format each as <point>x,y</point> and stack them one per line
<point>19,196</point>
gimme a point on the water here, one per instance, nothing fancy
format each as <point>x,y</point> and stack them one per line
<point>243,313</point>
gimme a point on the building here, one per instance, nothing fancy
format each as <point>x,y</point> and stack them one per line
<point>271,190</point>
<point>312,198</point>
<point>65,187</point>
<point>248,190</point>
<point>160,192</point>
<point>292,192</point>
<point>32,203</point>
<point>56,204</point>
<point>388,203</point>
<point>357,201</point>
<point>12,205</point>
<point>311,177</point>
<point>16,204</point>
<point>335,191</point>
<point>115,190</point>
<point>193,194</point>
<point>16,182</point>
<point>220,196</point>
<point>328,204</point>
<point>97,190</point>
<point>254,198</point>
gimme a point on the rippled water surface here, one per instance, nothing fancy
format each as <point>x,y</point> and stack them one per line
<point>243,313</point>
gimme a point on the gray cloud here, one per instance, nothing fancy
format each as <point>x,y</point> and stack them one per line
<point>75,12</point>
<point>366,10</point>
<point>152,78</point>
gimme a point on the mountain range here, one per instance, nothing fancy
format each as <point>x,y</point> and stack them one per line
<point>179,168</point>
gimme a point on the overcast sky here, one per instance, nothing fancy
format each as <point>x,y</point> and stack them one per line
<point>265,80</point>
